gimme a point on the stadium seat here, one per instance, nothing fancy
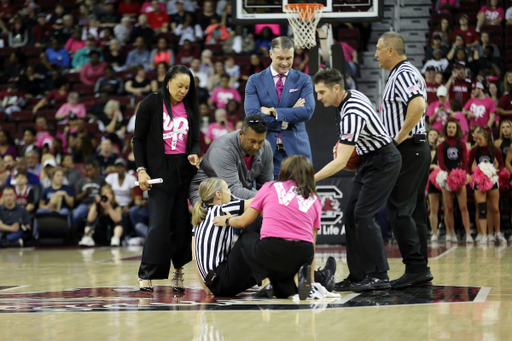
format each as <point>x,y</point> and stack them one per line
<point>3,87</point>
<point>436,19</point>
<point>2,116</point>
<point>92,127</point>
<point>170,37</point>
<point>508,43</point>
<point>73,77</point>
<point>32,103</point>
<point>25,125</point>
<point>151,74</point>
<point>7,51</point>
<point>242,61</point>
<point>353,43</point>
<point>471,17</point>
<point>497,41</point>
<point>126,75</point>
<point>493,30</point>
<point>123,99</point>
<point>216,49</point>
<point>509,55</point>
<point>84,89</point>
<point>9,127</point>
<point>30,51</point>
<point>48,113</point>
<point>348,34</point>
<point>128,113</point>
<point>469,5</point>
<point>21,116</point>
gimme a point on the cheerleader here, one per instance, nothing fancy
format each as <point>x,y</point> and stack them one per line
<point>485,151</point>
<point>434,193</point>
<point>503,143</point>
<point>452,154</point>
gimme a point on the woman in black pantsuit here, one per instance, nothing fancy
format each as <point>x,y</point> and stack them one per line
<point>166,145</point>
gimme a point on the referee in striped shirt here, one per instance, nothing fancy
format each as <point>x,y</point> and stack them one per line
<point>403,115</point>
<point>360,127</point>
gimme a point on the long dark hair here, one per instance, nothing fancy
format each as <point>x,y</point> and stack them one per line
<point>190,99</point>
<point>458,135</point>
<point>299,169</point>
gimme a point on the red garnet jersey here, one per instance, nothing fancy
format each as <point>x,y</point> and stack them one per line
<point>22,196</point>
<point>431,92</point>
<point>461,89</point>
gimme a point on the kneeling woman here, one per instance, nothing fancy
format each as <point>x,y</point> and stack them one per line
<point>222,269</point>
<point>291,218</point>
<point>103,221</point>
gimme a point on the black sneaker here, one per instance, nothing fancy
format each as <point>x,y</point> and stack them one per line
<point>369,284</point>
<point>304,281</point>
<point>328,271</point>
<point>411,279</point>
<point>343,285</point>
<point>266,292</point>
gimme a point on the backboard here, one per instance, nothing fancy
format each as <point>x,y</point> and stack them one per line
<point>272,11</point>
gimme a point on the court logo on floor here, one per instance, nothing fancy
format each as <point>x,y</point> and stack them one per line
<point>105,299</point>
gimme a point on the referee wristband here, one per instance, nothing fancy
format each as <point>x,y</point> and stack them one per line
<point>394,142</point>
<point>227,221</point>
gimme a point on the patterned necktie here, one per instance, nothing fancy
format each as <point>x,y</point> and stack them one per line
<point>280,86</point>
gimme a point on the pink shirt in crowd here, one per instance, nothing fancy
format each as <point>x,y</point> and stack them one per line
<point>48,139</point>
<point>481,108</point>
<point>176,130</point>
<point>492,14</point>
<point>78,110</point>
<point>347,51</point>
<point>463,122</point>
<point>216,130</point>
<point>90,74</point>
<point>286,214</point>
<point>441,115</point>
<point>74,45</point>
<point>220,97</point>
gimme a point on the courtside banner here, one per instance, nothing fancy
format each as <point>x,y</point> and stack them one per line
<point>334,193</point>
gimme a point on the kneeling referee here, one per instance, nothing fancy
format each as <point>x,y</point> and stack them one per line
<point>360,127</point>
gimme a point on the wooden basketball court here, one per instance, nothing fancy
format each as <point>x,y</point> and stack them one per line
<point>91,294</point>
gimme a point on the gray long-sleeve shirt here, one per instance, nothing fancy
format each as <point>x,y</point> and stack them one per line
<point>225,160</point>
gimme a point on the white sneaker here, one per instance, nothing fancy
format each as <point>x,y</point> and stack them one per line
<point>433,238</point>
<point>478,238</point>
<point>501,238</point>
<point>483,240</point>
<point>454,239</point>
<point>86,241</point>
<point>491,238</point>
<point>510,238</point>
<point>115,241</point>
<point>448,238</point>
<point>469,239</point>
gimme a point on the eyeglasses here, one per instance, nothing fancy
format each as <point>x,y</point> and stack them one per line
<point>257,121</point>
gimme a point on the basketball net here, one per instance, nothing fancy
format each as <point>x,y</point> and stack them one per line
<point>304,18</point>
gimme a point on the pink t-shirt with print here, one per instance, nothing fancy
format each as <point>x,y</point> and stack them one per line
<point>492,14</point>
<point>441,115</point>
<point>285,213</point>
<point>220,97</point>
<point>216,130</point>
<point>176,130</point>
<point>481,108</point>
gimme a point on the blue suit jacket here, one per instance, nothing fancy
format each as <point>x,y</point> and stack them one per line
<point>261,91</point>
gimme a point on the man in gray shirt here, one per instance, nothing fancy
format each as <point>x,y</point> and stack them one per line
<point>240,158</point>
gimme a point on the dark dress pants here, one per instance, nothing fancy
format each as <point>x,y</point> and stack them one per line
<point>406,205</point>
<point>170,231</point>
<point>375,179</point>
<point>234,275</point>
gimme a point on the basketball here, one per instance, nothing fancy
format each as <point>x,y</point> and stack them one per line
<point>353,162</point>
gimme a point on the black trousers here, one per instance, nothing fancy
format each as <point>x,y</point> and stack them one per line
<point>375,179</point>
<point>278,259</point>
<point>406,205</point>
<point>234,275</point>
<point>170,231</point>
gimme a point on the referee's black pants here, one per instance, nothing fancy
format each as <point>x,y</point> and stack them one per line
<point>406,205</point>
<point>234,275</point>
<point>376,176</point>
<point>170,231</point>
<point>277,259</point>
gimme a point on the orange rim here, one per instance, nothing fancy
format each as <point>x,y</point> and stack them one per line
<point>306,11</point>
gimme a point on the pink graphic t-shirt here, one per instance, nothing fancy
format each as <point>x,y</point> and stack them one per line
<point>287,214</point>
<point>216,130</point>
<point>481,108</point>
<point>176,130</point>
<point>492,14</point>
<point>220,97</point>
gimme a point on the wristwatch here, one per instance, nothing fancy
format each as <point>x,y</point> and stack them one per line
<point>141,168</point>
<point>227,221</point>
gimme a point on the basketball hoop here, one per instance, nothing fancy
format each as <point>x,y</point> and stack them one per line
<point>304,18</point>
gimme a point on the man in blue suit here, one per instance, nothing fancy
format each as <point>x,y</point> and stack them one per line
<point>285,98</point>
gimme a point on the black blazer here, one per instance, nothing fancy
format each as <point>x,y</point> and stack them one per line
<point>148,143</point>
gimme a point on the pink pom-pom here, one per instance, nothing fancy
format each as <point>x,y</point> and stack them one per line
<point>457,179</point>
<point>432,177</point>
<point>504,177</point>
<point>482,181</point>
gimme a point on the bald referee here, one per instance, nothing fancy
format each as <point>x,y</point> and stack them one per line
<point>360,127</point>
<point>403,115</point>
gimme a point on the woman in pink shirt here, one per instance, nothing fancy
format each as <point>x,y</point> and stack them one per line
<point>291,219</point>
<point>71,107</point>
<point>93,70</point>
<point>490,14</point>
<point>166,145</point>
<point>75,43</point>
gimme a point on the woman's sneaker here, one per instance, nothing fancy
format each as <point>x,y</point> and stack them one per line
<point>478,238</point>
<point>491,238</point>
<point>433,238</point>
<point>469,239</point>
<point>86,241</point>
<point>448,238</point>
<point>115,241</point>
<point>454,238</point>
<point>483,240</point>
<point>501,238</point>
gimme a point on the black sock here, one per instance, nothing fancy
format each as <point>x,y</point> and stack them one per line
<point>379,274</point>
<point>319,276</point>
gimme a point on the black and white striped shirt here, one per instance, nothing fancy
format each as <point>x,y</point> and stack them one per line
<point>213,243</point>
<point>359,124</point>
<point>404,83</point>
